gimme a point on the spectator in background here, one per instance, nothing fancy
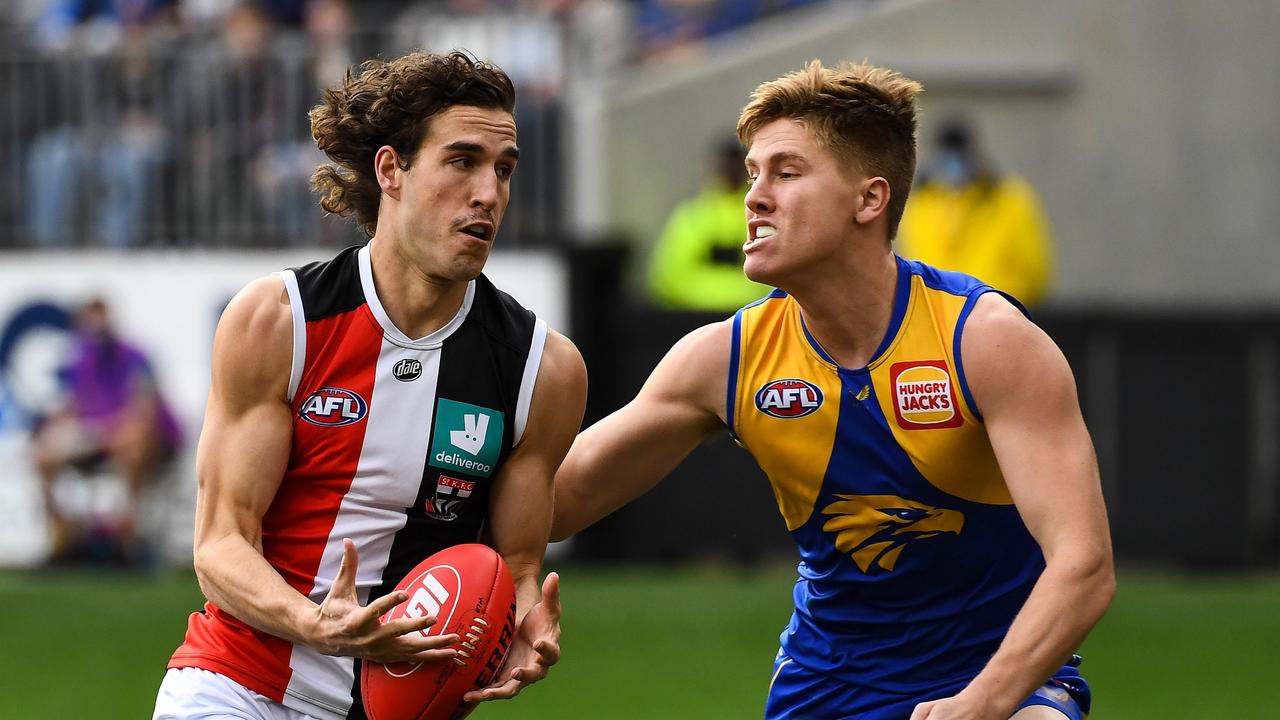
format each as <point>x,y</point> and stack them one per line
<point>281,171</point>
<point>672,25</point>
<point>114,414</point>
<point>328,26</point>
<point>243,98</point>
<point>101,142</point>
<point>600,40</point>
<point>98,26</point>
<point>965,216</point>
<point>681,26</point>
<point>697,262</point>
<point>211,13</point>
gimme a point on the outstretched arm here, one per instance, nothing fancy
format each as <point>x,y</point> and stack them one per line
<point>1025,390</point>
<point>520,515</point>
<point>241,461</point>
<point>627,453</point>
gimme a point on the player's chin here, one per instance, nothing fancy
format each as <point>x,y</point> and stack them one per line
<point>757,270</point>
<point>467,266</point>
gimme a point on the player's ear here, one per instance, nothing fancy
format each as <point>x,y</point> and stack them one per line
<point>872,201</point>
<point>389,169</point>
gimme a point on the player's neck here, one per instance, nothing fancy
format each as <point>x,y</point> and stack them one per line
<point>847,307</point>
<point>416,303</point>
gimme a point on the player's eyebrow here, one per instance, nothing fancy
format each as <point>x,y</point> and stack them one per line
<point>780,158</point>
<point>510,151</point>
<point>788,156</point>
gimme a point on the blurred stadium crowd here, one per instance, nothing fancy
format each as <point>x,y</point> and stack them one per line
<point>183,123</point>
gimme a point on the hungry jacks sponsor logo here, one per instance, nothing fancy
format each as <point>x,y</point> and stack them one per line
<point>924,397</point>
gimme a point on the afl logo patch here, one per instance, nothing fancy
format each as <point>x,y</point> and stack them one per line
<point>924,398</point>
<point>789,398</point>
<point>407,370</point>
<point>331,407</point>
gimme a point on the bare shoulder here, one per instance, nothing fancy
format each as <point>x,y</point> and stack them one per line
<point>560,394</point>
<point>253,347</point>
<point>696,369</point>
<point>559,400</point>
<point>261,307</point>
<point>562,367</point>
<point>708,342</point>
<point>1005,354</point>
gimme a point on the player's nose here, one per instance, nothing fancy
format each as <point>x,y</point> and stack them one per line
<point>486,191</point>
<point>759,199</point>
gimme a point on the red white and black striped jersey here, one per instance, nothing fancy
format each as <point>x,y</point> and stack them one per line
<point>395,445</point>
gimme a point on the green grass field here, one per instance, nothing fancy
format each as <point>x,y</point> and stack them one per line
<point>649,643</point>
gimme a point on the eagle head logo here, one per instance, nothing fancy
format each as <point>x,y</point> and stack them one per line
<point>874,529</point>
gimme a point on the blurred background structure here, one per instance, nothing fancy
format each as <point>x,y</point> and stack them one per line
<point>696,262</point>
<point>156,153</point>
<point>970,216</point>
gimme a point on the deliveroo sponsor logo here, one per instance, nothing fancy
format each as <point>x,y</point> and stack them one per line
<point>467,438</point>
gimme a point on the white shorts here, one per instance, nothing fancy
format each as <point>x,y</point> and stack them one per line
<point>195,694</point>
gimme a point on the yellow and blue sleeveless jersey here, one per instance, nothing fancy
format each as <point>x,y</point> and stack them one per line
<point>914,559</point>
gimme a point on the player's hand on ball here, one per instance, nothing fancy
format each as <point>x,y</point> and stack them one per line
<point>342,626</point>
<point>535,648</point>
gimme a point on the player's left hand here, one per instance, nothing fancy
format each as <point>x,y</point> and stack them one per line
<point>955,708</point>
<point>534,649</point>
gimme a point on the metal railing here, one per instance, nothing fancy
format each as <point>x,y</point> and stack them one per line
<point>182,143</point>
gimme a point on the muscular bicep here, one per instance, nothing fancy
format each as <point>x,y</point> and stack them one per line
<point>1025,390</point>
<point>627,453</point>
<point>245,440</point>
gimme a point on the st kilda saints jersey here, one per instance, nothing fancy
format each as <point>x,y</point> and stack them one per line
<point>914,559</point>
<point>395,445</point>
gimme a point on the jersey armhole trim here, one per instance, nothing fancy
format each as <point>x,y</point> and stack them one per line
<point>530,378</point>
<point>735,343</point>
<point>299,331</point>
<point>955,350</point>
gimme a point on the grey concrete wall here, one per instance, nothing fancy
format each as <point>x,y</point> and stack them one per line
<point>1150,127</point>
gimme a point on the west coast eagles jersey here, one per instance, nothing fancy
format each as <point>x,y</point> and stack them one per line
<point>914,559</point>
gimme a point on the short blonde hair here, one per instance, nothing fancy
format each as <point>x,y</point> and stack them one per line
<point>864,114</point>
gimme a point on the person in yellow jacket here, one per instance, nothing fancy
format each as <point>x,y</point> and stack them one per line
<point>964,216</point>
<point>697,261</point>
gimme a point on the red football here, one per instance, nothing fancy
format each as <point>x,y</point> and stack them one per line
<point>469,590</point>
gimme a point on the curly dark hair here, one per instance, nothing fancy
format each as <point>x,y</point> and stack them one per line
<point>391,103</point>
